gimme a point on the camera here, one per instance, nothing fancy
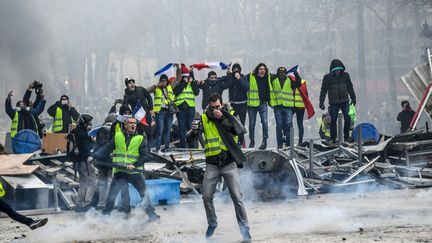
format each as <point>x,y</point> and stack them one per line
<point>36,85</point>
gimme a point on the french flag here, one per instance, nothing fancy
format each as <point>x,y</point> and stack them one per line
<point>211,65</point>
<point>140,114</point>
<point>169,70</point>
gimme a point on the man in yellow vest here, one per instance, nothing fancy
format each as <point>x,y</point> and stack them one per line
<point>223,156</point>
<point>23,117</point>
<point>185,93</point>
<point>163,97</point>
<point>64,115</point>
<point>260,95</point>
<point>283,108</point>
<point>7,209</point>
<point>130,150</point>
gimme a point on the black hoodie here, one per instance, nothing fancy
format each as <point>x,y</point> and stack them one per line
<point>337,86</point>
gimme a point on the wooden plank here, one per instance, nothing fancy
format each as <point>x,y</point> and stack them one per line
<point>52,143</point>
<point>12,164</point>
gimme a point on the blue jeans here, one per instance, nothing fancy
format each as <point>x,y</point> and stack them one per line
<point>184,119</point>
<point>283,116</point>
<point>334,110</point>
<point>262,109</point>
<point>164,122</point>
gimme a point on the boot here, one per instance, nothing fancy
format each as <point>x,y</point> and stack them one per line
<point>252,143</point>
<point>210,231</point>
<point>263,144</point>
<point>246,236</point>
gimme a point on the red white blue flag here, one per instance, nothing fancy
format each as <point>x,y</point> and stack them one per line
<point>140,114</point>
<point>169,70</point>
<point>211,65</point>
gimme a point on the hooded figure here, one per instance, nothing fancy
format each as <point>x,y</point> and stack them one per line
<point>337,83</point>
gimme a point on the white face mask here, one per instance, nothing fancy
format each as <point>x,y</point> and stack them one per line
<point>27,108</point>
<point>64,102</point>
<point>18,109</point>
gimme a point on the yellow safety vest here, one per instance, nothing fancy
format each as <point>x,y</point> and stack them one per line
<point>213,141</point>
<point>14,125</point>
<point>2,191</point>
<point>253,96</point>
<point>284,95</point>
<point>158,97</point>
<point>298,100</point>
<point>186,95</point>
<point>117,128</point>
<point>58,120</point>
<point>129,155</point>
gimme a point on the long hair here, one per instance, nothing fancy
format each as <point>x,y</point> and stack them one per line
<point>257,68</point>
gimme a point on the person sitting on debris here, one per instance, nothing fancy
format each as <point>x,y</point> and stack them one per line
<point>64,115</point>
<point>86,169</point>
<point>129,150</point>
<point>23,117</point>
<point>223,157</point>
<point>7,209</point>
<point>324,130</point>
<point>405,116</point>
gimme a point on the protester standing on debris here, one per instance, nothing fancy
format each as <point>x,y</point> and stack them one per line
<point>164,109</point>
<point>85,168</point>
<point>38,106</point>
<point>23,117</point>
<point>129,149</point>
<point>64,114</point>
<point>7,209</point>
<point>260,96</point>
<point>238,87</point>
<point>223,156</point>
<point>405,116</point>
<point>337,83</point>
<point>284,105</point>
<point>185,92</point>
<point>213,84</point>
<point>137,94</point>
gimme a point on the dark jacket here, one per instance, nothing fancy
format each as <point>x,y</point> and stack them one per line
<point>38,104</point>
<point>108,148</point>
<point>140,93</point>
<point>337,87</point>
<point>212,86</point>
<point>26,119</point>
<point>84,142</point>
<point>67,113</point>
<point>405,118</point>
<point>237,88</point>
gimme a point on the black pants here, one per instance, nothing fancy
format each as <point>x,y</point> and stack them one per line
<point>241,111</point>
<point>299,115</point>
<point>5,208</point>
<point>119,182</point>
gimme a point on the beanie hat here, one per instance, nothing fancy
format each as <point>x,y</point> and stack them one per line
<point>64,96</point>
<point>236,66</point>
<point>281,70</point>
<point>163,76</point>
<point>129,79</point>
<point>184,70</point>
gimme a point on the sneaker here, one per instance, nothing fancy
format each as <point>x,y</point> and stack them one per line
<point>38,223</point>
<point>246,236</point>
<point>153,216</point>
<point>210,231</point>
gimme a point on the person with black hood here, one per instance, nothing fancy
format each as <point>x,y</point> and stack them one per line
<point>337,83</point>
<point>23,117</point>
<point>185,92</point>
<point>213,84</point>
<point>238,87</point>
<point>223,157</point>
<point>85,168</point>
<point>260,95</point>
<point>405,116</point>
<point>64,115</point>
<point>132,95</point>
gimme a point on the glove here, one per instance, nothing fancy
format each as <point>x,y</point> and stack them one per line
<point>353,102</point>
<point>321,106</point>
